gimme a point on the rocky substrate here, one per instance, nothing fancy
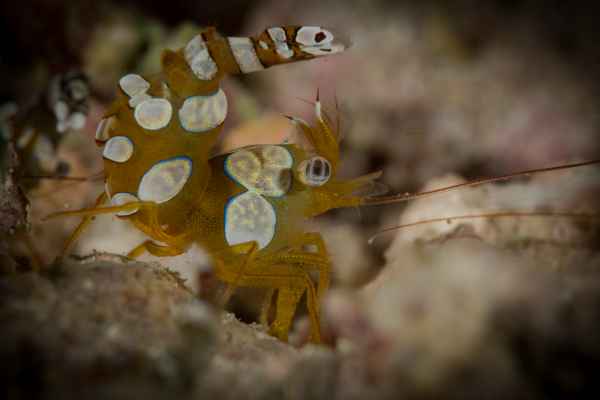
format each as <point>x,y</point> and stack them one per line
<point>456,317</point>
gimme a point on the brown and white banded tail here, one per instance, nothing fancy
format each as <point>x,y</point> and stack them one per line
<point>210,55</point>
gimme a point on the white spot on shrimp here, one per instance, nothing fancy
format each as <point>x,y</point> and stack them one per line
<point>249,217</point>
<point>245,55</point>
<point>280,40</point>
<point>199,59</point>
<point>77,120</point>
<point>263,44</point>
<point>138,99</point>
<point>66,120</point>
<point>244,167</point>
<point>103,129</point>
<point>261,169</point>
<point>123,198</point>
<point>118,149</point>
<point>135,87</point>
<point>203,113</point>
<point>277,34</point>
<point>133,84</point>
<point>153,114</point>
<point>165,179</point>
<point>61,110</point>
<point>276,156</point>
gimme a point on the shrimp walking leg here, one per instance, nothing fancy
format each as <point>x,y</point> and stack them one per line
<point>289,280</point>
<point>85,222</point>
<point>154,249</point>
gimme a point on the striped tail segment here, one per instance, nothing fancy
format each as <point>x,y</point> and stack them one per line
<point>209,54</point>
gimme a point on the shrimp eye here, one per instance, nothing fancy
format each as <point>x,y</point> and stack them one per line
<point>319,37</point>
<point>315,171</point>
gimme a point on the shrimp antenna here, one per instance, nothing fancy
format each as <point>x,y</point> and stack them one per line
<point>72,181</point>
<point>370,201</point>
<point>93,177</point>
<point>497,214</point>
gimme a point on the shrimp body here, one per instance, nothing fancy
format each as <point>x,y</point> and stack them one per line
<point>246,208</point>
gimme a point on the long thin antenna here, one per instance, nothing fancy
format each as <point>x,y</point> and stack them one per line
<point>93,177</point>
<point>370,201</point>
<point>498,214</point>
<point>57,178</point>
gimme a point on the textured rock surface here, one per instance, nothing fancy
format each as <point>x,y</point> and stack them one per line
<point>101,328</point>
<point>456,318</point>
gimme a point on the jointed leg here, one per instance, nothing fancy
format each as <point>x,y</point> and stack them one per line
<point>85,222</point>
<point>291,282</point>
<point>313,305</point>
<point>306,262</point>
<point>155,250</point>
<point>301,262</point>
<point>90,212</point>
<point>231,286</point>
<point>323,265</point>
<point>266,307</point>
<point>151,227</point>
<point>287,301</point>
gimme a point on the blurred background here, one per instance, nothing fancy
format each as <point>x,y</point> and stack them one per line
<point>432,92</point>
<point>428,88</point>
